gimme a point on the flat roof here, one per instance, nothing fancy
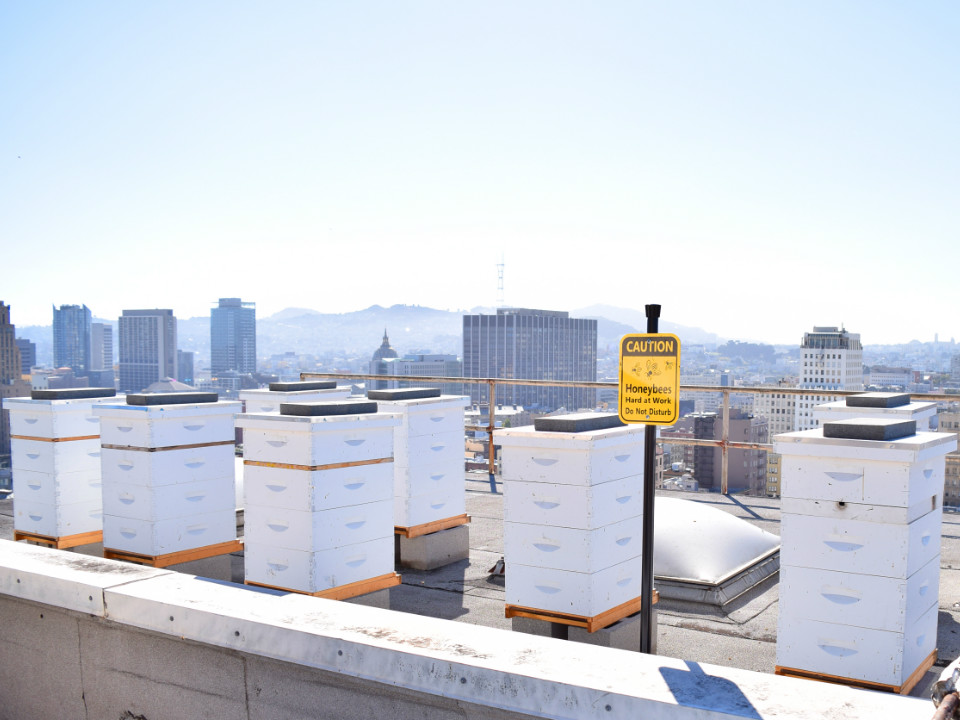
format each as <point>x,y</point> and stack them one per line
<point>742,634</point>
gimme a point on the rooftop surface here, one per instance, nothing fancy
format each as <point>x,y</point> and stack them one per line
<point>740,635</point>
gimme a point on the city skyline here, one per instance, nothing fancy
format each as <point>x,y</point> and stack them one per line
<point>754,170</point>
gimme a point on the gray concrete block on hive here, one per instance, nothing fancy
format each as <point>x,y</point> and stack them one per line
<point>325,409</point>
<point>623,635</point>
<point>72,393</point>
<point>184,398</point>
<point>435,550</point>
<point>404,394</point>
<point>878,400</point>
<point>870,429</point>
<point>579,422</point>
<point>302,385</point>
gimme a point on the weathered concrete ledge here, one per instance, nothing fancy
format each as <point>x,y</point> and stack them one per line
<point>98,638</point>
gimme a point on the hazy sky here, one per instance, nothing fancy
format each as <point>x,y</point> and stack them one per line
<point>754,167</point>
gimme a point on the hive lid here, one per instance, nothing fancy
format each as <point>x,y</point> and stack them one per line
<point>184,398</point>
<point>878,400</point>
<point>320,409</point>
<point>303,385</point>
<point>870,429</point>
<point>72,393</point>
<point>579,422</point>
<point>404,394</point>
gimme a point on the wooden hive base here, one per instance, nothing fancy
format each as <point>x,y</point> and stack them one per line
<point>904,689</point>
<point>592,624</point>
<point>432,527</point>
<point>343,592</point>
<point>175,558</point>
<point>62,542</point>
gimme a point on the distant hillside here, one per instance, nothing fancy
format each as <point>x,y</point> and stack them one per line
<point>636,320</point>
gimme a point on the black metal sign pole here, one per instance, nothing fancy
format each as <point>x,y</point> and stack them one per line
<point>649,485</point>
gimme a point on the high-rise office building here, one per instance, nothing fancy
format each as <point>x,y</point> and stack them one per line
<point>101,355</point>
<point>532,345</point>
<point>11,382</point>
<point>28,355</point>
<point>71,337</point>
<point>185,367</point>
<point>9,352</point>
<point>233,337</point>
<point>830,359</point>
<point>148,348</point>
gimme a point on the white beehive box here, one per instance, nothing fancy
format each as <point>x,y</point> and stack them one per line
<point>840,510</point>
<point>585,507</point>
<point>54,458</point>
<point>269,401</point>
<point>859,546</point>
<point>564,591</point>
<point>315,441</point>
<point>319,495</point>
<point>58,520</point>
<point>167,467</point>
<point>410,511</point>
<point>171,425</point>
<point>888,405</point>
<point>423,411</point>
<point>70,417</point>
<point>316,490</point>
<point>313,571</point>
<point>160,502</point>
<point>428,448</point>
<point>570,458</point>
<point>859,558</point>
<point>561,548</point>
<point>162,537</point>
<point>62,489</point>
<point>898,473</point>
<point>846,651</point>
<point>573,538</point>
<point>321,530</point>
<point>857,600</point>
<point>168,473</point>
<point>440,475</point>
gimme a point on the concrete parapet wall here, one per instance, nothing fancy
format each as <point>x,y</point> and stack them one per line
<point>82,637</point>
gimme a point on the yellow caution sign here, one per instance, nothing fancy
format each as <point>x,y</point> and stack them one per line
<point>650,379</point>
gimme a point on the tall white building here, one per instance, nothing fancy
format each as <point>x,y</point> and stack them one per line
<point>780,410</point>
<point>148,348</point>
<point>830,359</point>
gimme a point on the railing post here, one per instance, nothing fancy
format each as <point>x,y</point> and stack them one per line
<point>492,465</point>
<point>724,439</point>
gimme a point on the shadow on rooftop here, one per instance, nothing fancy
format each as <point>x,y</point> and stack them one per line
<point>694,688</point>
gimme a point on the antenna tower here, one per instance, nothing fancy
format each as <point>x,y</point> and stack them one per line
<point>500,300</point>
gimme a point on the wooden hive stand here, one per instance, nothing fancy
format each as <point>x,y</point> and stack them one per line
<point>592,624</point>
<point>62,542</point>
<point>175,558</point>
<point>343,592</point>
<point>904,689</point>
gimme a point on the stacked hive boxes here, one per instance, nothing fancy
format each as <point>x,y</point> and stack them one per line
<point>428,455</point>
<point>168,473</point>
<point>56,464</point>
<point>319,496</point>
<point>573,514</point>
<point>892,406</point>
<point>860,555</point>
<point>269,401</point>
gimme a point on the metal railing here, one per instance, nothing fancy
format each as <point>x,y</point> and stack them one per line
<point>724,443</point>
